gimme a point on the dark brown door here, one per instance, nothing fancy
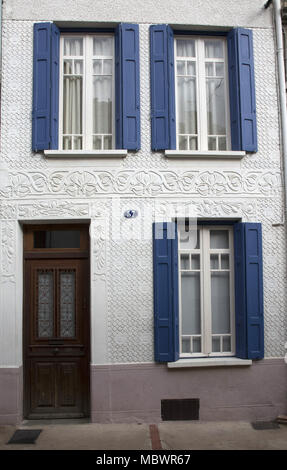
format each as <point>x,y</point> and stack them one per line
<point>56,328</point>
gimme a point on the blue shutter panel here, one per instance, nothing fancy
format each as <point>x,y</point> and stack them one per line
<point>55,51</point>
<point>41,87</point>
<point>45,86</point>
<point>127,87</point>
<point>234,91</point>
<point>242,90</point>
<point>163,132</point>
<point>249,291</point>
<point>166,323</point>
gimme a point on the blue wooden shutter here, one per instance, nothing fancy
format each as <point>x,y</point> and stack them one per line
<point>242,90</point>
<point>45,86</point>
<point>127,87</point>
<point>249,291</point>
<point>166,323</point>
<point>55,63</point>
<point>163,131</point>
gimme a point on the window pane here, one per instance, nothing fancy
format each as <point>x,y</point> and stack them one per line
<point>187,106</point>
<point>45,312</point>
<point>77,143</point>
<point>108,67</point>
<point>57,239</point>
<point>102,105</point>
<point>219,239</point>
<point>209,69</point>
<point>224,261</point>
<point>216,344</point>
<point>182,143</point>
<point>107,142</point>
<point>78,67</point>
<point>68,67</point>
<point>72,105</point>
<point>67,304</point>
<point>67,143</point>
<point>184,261</point>
<point>193,143</point>
<point>211,143</point>
<point>196,345</point>
<point>214,264</point>
<point>73,46</point>
<point>190,297</point>
<point>191,68</point>
<point>180,67</point>
<point>219,68</point>
<point>97,142</point>
<point>185,345</point>
<point>103,46</point>
<point>213,49</point>
<point>221,143</point>
<point>185,47</point>
<point>226,347</point>
<point>220,302</point>
<point>97,67</point>
<point>195,262</point>
<point>215,96</point>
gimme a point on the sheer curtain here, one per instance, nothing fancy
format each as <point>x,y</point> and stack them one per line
<point>72,92</point>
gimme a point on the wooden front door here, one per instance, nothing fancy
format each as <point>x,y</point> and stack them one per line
<point>56,320</point>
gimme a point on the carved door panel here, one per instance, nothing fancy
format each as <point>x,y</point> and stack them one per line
<point>56,337</point>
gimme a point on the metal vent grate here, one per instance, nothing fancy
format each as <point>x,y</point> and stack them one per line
<point>180,409</point>
<point>262,425</point>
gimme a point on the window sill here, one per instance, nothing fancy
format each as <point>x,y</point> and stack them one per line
<point>226,154</point>
<point>209,362</point>
<point>85,153</point>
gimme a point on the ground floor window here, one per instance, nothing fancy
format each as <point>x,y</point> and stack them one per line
<point>206,291</point>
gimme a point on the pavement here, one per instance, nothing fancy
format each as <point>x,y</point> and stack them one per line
<point>171,435</point>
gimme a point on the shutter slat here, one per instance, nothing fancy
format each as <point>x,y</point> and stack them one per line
<point>249,291</point>
<point>162,87</point>
<point>165,254</point>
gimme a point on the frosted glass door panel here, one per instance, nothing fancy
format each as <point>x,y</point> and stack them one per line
<point>45,307</point>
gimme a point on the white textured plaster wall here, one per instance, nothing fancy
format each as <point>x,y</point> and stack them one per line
<point>182,12</point>
<point>33,188</point>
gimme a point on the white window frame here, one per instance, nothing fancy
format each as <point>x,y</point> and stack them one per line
<point>87,117</point>
<point>202,137</point>
<point>205,291</point>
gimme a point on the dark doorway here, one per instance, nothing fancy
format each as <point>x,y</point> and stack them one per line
<point>56,321</point>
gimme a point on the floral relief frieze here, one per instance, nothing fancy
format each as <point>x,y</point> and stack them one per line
<point>141,183</point>
<point>53,209</point>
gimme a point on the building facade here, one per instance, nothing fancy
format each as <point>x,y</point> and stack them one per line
<point>116,115</point>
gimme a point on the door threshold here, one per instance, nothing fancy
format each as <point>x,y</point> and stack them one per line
<point>39,422</point>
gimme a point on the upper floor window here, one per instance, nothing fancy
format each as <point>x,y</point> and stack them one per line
<point>87,92</point>
<point>201,93</point>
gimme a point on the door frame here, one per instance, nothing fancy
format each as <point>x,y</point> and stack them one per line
<point>30,253</point>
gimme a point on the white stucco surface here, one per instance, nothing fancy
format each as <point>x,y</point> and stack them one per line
<point>34,188</point>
